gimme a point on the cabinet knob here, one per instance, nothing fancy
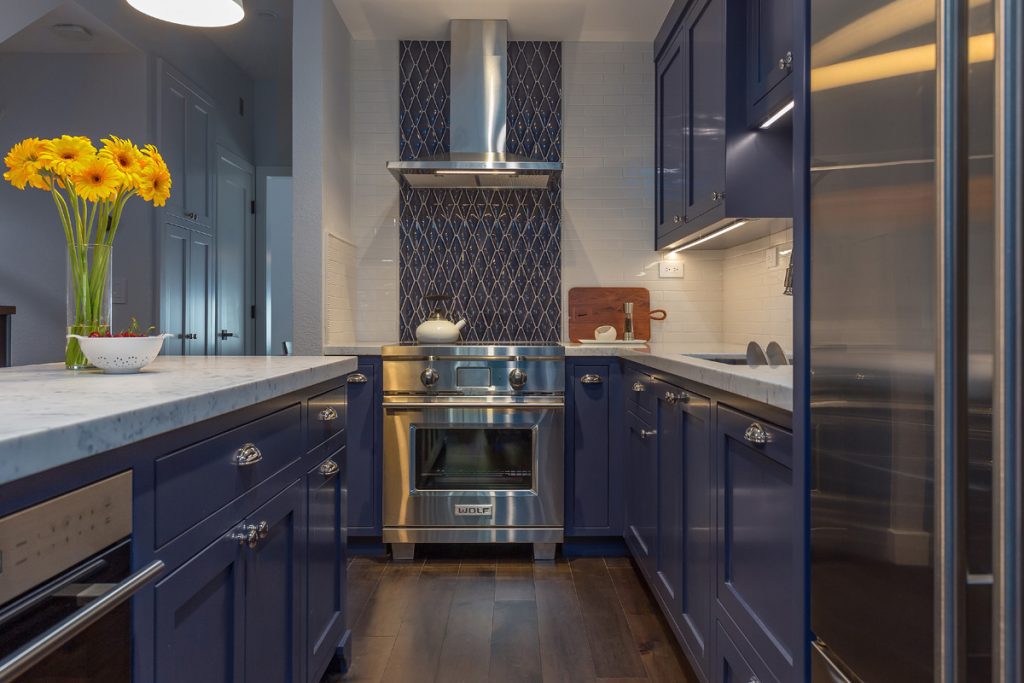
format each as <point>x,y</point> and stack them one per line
<point>638,387</point>
<point>786,62</point>
<point>717,196</point>
<point>677,219</point>
<point>357,378</point>
<point>329,468</point>
<point>192,215</point>
<point>247,455</point>
<point>670,397</point>
<point>681,397</point>
<point>644,433</point>
<point>251,534</point>
<point>591,379</point>
<point>756,434</point>
<point>328,414</point>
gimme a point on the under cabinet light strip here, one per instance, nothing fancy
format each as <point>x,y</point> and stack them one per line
<point>711,236</point>
<point>778,115</point>
<point>481,172</point>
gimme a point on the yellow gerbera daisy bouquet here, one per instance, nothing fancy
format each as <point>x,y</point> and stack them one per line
<point>90,188</point>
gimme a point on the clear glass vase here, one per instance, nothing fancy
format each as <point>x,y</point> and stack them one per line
<point>89,297</point>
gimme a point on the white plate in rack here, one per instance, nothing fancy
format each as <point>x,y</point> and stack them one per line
<point>614,342</point>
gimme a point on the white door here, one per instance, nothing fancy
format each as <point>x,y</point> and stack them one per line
<point>235,258</point>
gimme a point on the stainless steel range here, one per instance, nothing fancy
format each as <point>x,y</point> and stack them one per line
<point>473,445</point>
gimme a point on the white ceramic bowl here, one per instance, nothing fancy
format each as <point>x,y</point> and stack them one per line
<point>121,355</point>
<point>605,333</point>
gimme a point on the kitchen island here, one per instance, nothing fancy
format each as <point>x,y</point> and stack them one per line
<point>237,473</point>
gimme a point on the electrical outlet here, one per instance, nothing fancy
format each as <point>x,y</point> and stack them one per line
<point>672,269</point>
<point>771,257</point>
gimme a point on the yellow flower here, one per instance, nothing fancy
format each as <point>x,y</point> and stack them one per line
<point>151,152</point>
<point>63,155</point>
<point>155,181</point>
<point>23,162</point>
<point>125,157</point>
<point>97,179</point>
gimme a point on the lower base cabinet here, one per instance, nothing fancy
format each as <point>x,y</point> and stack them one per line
<point>232,613</point>
<point>325,562</point>
<point>733,664</point>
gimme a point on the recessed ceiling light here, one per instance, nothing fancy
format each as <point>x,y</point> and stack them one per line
<point>202,13</point>
<point>268,14</point>
<point>72,32</point>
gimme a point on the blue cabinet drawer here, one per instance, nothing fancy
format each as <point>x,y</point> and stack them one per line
<point>326,417</point>
<point>759,538</point>
<point>194,482</point>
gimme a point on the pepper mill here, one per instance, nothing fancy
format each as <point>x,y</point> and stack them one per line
<point>627,329</point>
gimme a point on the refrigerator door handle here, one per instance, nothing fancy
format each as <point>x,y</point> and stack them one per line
<point>823,668</point>
<point>1007,437</point>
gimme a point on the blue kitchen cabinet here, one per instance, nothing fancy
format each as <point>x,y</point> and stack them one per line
<point>200,618</point>
<point>729,172</point>
<point>669,169</point>
<point>592,492</point>
<point>686,500</point>
<point>760,585</point>
<point>641,503</point>
<point>273,589</point>
<point>769,57</point>
<point>734,661</point>
<point>325,563</point>
<point>364,449</point>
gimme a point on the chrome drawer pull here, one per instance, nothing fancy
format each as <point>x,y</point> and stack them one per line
<point>328,414</point>
<point>247,455</point>
<point>671,398</point>
<point>357,378</point>
<point>251,534</point>
<point>591,379</point>
<point>756,434</point>
<point>329,468</point>
<point>644,433</point>
<point>638,387</point>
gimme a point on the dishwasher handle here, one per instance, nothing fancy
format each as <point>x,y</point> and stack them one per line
<point>20,661</point>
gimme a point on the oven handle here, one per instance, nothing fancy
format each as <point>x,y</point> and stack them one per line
<point>42,646</point>
<point>447,405</point>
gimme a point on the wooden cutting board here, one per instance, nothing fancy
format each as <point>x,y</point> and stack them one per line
<point>591,307</point>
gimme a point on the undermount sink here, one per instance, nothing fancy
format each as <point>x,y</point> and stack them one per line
<point>726,360</point>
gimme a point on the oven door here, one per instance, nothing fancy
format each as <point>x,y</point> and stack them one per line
<point>456,463</point>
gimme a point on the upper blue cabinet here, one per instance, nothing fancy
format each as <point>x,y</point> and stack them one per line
<point>715,164</point>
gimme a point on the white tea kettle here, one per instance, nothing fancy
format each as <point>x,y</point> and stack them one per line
<point>437,329</point>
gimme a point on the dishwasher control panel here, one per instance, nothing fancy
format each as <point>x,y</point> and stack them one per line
<point>44,540</point>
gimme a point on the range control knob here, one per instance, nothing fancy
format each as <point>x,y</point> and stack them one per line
<point>517,378</point>
<point>429,377</point>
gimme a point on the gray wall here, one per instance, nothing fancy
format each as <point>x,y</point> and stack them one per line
<point>92,95</point>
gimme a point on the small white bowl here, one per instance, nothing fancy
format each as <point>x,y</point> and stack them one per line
<point>121,355</point>
<point>605,333</point>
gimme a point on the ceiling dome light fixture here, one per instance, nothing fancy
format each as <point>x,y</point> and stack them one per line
<point>202,13</point>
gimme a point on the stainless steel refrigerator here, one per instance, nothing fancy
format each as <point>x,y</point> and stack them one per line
<point>915,203</point>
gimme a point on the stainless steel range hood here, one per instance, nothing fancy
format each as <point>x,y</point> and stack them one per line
<point>477,123</point>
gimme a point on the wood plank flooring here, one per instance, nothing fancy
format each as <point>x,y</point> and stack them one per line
<point>489,613</point>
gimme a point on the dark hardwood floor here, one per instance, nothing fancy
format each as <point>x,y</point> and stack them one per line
<point>489,613</point>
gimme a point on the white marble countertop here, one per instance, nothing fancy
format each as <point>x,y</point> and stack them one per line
<point>773,386</point>
<point>50,416</point>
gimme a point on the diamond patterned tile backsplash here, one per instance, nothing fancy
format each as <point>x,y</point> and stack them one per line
<point>497,253</point>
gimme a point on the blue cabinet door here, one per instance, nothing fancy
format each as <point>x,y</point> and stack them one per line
<point>669,165</point>
<point>769,56</point>
<point>704,121</point>
<point>200,618</point>
<point>273,589</point>
<point>594,496</point>
<point>363,455</point>
<point>686,499</point>
<point>641,505</point>
<point>325,562</point>
<point>760,573</point>
<point>734,662</point>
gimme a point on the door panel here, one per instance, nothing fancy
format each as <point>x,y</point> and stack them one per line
<point>200,618</point>
<point>641,496</point>
<point>363,468</point>
<point>670,165</point>
<point>201,294</point>
<point>325,557</point>
<point>670,455</point>
<point>273,598</point>
<point>704,126</point>
<point>235,228</point>
<point>174,286</point>
<point>591,489</point>
<point>197,160</point>
<point>173,122</point>
<point>769,35</point>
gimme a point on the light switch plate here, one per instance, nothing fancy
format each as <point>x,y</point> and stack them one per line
<point>771,257</point>
<point>670,269</point>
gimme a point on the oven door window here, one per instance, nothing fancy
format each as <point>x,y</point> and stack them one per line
<point>473,458</point>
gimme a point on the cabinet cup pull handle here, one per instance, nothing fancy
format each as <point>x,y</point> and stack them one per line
<point>786,62</point>
<point>756,434</point>
<point>328,414</point>
<point>638,387</point>
<point>247,455</point>
<point>677,219</point>
<point>591,379</point>
<point>357,378</point>
<point>329,468</point>
<point>644,433</point>
<point>681,397</point>
<point>251,534</point>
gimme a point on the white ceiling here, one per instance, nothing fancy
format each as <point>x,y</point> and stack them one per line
<point>567,20</point>
<point>39,37</point>
<point>261,44</point>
